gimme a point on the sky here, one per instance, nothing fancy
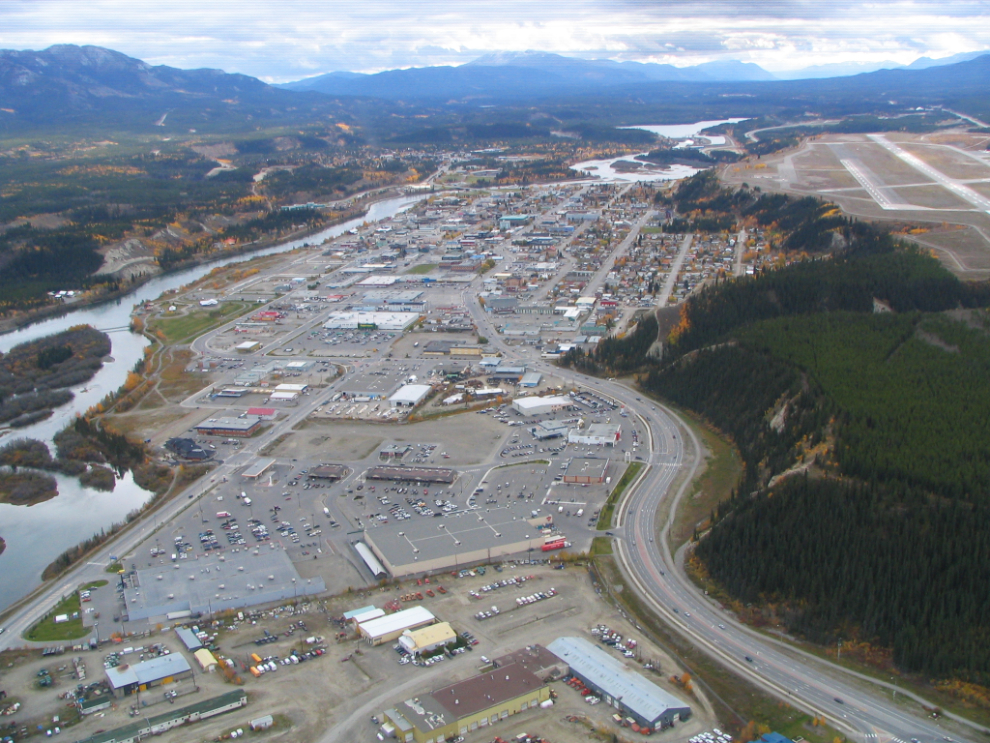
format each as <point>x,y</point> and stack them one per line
<point>291,39</point>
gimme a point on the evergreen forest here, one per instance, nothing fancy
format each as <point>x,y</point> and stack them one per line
<point>854,386</point>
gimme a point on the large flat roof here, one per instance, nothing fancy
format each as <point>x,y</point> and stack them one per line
<point>420,474</point>
<point>486,690</point>
<point>405,619</point>
<point>194,583</point>
<point>535,402</point>
<point>459,532</point>
<point>147,672</point>
<point>643,697</point>
<point>410,394</point>
<point>229,424</point>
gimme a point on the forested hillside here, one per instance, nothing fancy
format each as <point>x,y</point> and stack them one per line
<point>864,509</point>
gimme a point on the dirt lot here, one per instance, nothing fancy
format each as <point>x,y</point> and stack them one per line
<point>467,438</point>
<point>331,698</point>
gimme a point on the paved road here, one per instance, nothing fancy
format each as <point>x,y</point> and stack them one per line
<point>850,702</point>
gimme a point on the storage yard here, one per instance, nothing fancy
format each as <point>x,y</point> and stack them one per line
<point>338,680</point>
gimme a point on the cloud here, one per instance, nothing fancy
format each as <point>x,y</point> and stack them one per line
<point>298,38</point>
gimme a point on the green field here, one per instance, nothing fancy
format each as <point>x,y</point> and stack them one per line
<point>187,327</point>
<point>605,519</point>
<point>423,268</point>
<point>47,631</point>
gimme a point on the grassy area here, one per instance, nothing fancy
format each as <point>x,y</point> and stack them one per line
<point>651,230</point>
<point>93,584</point>
<point>114,567</point>
<point>187,327</point>
<point>605,519</point>
<point>736,701</point>
<point>723,468</point>
<point>47,631</point>
<point>601,546</point>
<point>423,268</point>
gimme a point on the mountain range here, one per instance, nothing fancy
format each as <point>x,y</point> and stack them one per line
<point>546,71</point>
<point>68,85</point>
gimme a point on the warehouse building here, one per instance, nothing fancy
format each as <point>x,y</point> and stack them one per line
<point>410,395</point>
<point>619,686</point>
<point>584,471</point>
<point>240,427</point>
<point>126,679</point>
<point>541,405</point>
<point>458,539</point>
<point>466,706</point>
<point>506,373</point>
<point>428,639</point>
<point>390,627</point>
<point>189,639</point>
<point>530,379</point>
<point>370,320</point>
<point>597,434</point>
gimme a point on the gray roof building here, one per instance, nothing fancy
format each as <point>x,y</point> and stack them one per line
<point>621,687</point>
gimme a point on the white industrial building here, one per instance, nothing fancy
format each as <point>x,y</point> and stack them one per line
<point>619,686</point>
<point>410,395</point>
<point>597,434</point>
<point>540,405</point>
<point>390,627</point>
<point>370,320</point>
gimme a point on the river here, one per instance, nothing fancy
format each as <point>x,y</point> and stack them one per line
<point>607,172</point>
<point>36,535</point>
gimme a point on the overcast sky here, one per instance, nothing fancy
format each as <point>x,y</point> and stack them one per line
<point>290,39</point>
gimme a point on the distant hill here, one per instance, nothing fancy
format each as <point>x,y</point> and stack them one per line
<point>845,69</point>
<point>522,74</point>
<point>72,84</point>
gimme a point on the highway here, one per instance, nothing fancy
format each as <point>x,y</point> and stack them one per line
<point>852,703</point>
<point>855,705</point>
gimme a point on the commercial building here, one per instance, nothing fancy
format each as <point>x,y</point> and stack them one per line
<point>241,427</point>
<point>203,585</point>
<point>165,669</point>
<point>410,395</point>
<point>187,449</point>
<point>458,539</point>
<point>247,347</point>
<point>541,405</point>
<point>370,320</point>
<point>440,475</point>
<point>258,467</point>
<point>263,413</point>
<point>137,731</point>
<point>597,434</point>
<point>466,706</point>
<point>619,686</point>
<point>390,627</point>
<point>586,471</point>
<point>428,639</point>
<point>327,472</point>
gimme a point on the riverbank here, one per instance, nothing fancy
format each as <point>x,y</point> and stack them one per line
<point>25,319</point>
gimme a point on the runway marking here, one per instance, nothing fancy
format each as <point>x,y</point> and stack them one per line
<point>960,190</point>
<point>875,190</point>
